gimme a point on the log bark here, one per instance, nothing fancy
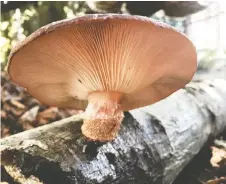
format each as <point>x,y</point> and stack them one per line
<point>154,143</point>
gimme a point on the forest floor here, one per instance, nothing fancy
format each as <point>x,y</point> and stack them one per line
<point>20,112</point>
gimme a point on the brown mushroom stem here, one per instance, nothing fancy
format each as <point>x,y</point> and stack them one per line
<point>103,116</point>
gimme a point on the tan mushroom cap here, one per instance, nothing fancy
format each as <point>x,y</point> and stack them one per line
<point>61,63</point>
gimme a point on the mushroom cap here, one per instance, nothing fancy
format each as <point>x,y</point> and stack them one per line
<point>62,62</point>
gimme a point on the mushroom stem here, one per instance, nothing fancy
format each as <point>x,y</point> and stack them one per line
<point>103,116</point>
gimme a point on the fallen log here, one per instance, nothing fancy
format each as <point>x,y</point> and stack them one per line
<point>154,143</point>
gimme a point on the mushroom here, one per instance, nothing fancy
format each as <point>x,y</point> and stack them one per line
<point>104,64</point>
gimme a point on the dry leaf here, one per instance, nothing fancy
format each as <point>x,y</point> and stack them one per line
<point>17,104</point>
<point>30,115</point>
<point>4,131</point>
<point>3,114</point>
<point>47,115</point>
<point>218,156</point>
<point>221,180</point>
<point>27,126</point>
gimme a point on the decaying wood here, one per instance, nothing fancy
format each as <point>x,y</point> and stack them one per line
<point>153,146</point>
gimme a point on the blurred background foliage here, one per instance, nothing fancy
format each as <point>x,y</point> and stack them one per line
<point>20,19</point>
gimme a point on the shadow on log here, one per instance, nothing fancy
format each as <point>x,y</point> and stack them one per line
<point>154,144</point>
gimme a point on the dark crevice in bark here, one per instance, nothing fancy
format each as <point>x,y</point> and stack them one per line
<point>111,157</point>
<point>47,171</point>
<point>158,127</point>
<point>91,149</point>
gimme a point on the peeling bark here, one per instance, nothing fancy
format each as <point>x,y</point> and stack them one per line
<point>154,143</point>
